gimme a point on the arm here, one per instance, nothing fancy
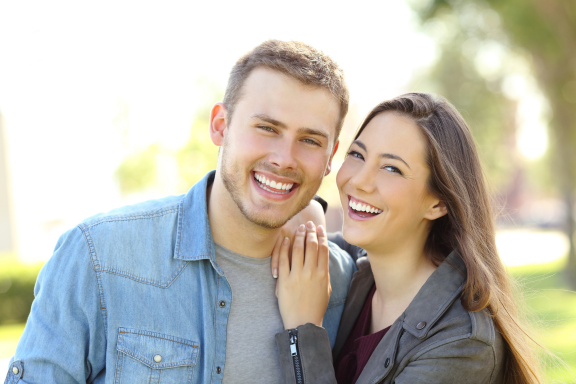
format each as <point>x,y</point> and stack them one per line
<point>303,294</point>
<point>64,339</point>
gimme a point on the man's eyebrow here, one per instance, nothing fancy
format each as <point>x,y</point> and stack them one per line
<point>279,124</point>
<point>270,120</point>
<point>382,155</point>
<point>313,132</point>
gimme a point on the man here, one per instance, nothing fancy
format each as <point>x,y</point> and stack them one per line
<point>178,290</point>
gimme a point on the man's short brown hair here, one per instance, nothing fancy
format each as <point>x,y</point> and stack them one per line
<point>295,59</point>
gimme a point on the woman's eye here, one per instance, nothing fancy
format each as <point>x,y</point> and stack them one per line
<point>355,154</point>
<point>391,168</point>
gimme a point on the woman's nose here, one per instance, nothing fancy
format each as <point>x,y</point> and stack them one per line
<point>363,179</point>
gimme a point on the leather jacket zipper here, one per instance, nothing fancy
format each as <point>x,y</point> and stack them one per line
<point>295,356</point>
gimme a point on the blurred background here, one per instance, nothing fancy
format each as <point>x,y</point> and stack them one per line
<point>106,104</point>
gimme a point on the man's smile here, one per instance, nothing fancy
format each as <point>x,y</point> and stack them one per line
<point>271,185</point>
<point>274,187</point>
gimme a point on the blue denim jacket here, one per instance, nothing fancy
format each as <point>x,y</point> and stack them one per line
<point>135,295</point>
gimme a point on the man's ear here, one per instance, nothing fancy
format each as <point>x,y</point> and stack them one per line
<point>329,166</point>
<point>436,211</point>
<point>218,123</point>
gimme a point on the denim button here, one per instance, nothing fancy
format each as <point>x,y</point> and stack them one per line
<point>218,370</point>
<point>387,363</point>
<point>222,304</point>
<point>15,370</point>
<point>157,358</point>
<point>421,325</point>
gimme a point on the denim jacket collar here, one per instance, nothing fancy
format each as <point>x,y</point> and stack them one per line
<point>194,239</point>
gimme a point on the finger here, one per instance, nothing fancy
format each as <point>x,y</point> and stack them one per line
<point>284,264</point>
<point>276,290</point>
<point>311,253</point>
<point>323,250</point>
<point>298,249</point>
<point>275,260</point>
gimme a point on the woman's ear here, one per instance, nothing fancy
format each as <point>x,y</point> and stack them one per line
<point>218,123</point>
<point>436,211</point>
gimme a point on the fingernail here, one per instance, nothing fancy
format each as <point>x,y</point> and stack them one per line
<point>301,228</point>
<point>286,241</point>
<point>275,273</point>
<point>320,230</point>
<point>310,225</point>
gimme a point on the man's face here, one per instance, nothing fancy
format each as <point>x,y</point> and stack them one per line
<point>278,146</point>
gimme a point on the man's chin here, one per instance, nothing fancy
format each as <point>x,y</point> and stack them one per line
<point>266,221</point>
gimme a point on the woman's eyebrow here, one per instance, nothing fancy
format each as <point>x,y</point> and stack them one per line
<point>382,155</point>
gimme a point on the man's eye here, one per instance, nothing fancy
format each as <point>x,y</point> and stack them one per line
<point>355,154</point>
<point>313,142</point>
<point>266,128</point>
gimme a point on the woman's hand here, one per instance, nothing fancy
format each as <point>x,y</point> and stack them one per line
<point>304,286</point>
<point>313,212</point>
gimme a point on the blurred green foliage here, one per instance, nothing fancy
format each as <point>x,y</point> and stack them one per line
<point>16,289</point>
<point>475,90</point>
<point>141,170</point>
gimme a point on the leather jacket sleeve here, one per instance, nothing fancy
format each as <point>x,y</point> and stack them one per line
<point>313,352</point>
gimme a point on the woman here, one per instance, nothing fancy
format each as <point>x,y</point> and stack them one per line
<point>433,304</point>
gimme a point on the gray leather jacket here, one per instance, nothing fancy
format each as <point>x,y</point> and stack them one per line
<point>434,341</point>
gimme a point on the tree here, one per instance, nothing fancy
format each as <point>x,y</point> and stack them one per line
<point>547,31</point>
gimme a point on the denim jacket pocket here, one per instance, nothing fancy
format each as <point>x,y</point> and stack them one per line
<point>150,357</point>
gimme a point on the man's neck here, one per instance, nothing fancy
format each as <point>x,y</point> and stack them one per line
<point>231,229</point>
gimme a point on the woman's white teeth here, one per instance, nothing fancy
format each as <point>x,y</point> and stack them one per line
<point>271,183</point>
<point>363,207</point>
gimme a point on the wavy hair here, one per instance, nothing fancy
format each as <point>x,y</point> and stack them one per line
<point>457,179</point>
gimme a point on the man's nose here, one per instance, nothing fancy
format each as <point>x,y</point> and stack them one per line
<point>283,155</point>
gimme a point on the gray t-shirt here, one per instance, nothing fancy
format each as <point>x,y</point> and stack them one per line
<point>254,320</point>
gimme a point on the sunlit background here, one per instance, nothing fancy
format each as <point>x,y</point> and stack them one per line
<point>106,104</point>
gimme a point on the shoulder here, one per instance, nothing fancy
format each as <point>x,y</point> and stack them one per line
<point>140,211</point>
<point>342,267</point>
<point>463,347</point>
<point>341,263</point>
<point>136,241</point>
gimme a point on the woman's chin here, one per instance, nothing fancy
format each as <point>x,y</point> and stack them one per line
<point>356,236</point>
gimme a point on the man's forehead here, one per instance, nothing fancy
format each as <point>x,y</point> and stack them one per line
<point>286,100</point>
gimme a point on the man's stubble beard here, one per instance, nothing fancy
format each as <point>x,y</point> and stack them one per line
<point>231,177</point>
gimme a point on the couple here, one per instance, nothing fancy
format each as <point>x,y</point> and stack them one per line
<point>179,290</point>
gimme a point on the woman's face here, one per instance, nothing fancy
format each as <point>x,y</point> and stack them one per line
<point>383,185</point>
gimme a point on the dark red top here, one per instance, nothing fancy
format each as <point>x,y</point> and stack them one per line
<point>359,346</point>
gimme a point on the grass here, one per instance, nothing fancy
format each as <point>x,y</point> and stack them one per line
<point>550,307</point>
<point>549,304</point>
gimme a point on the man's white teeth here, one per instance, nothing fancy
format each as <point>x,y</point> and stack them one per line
<point>363,207</point>
<point>271,183</point>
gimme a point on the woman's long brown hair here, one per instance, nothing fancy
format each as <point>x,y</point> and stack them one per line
<point>457,179</point>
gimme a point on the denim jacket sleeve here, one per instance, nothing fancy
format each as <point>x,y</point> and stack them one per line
<point>64,340</point>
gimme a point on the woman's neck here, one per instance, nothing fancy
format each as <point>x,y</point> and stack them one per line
<point>398,274</point>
